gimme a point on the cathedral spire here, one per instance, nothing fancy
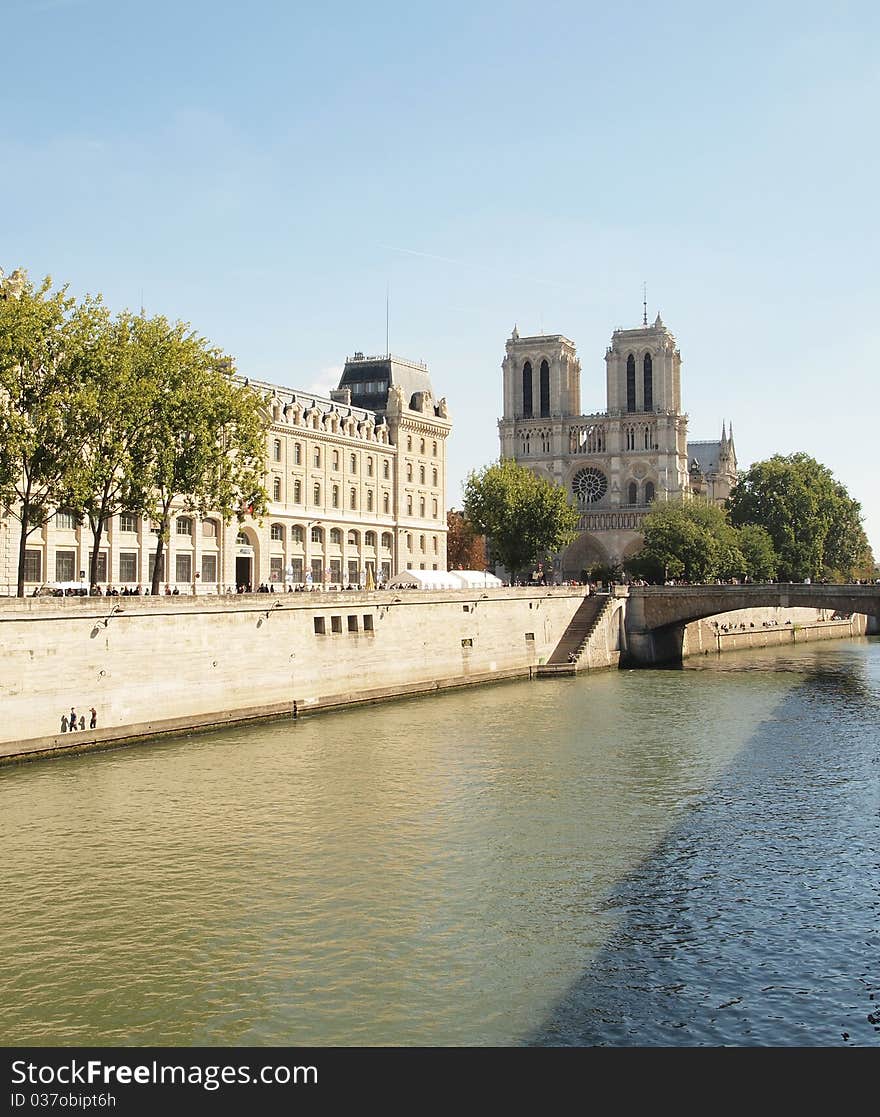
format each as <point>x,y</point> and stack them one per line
<point>644,304</point>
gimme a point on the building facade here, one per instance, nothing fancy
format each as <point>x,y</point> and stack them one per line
<point>357,493</point>
<point>612,463</point>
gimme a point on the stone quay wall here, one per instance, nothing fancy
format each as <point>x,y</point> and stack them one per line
<point>153,665</point>
<point>767,628</point>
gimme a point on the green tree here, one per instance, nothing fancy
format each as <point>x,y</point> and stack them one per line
<point>695,541</point>
<point>46,343</point>
<point>206,431</point>
<point>814,523</point>
<point>524,516</point>
<point>118,395</point>
<point>757,550</point>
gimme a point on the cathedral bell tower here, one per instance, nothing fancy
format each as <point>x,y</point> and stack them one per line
<point>542,377</point>
<point>644,371</point>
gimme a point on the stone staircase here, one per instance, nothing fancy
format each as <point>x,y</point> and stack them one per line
<point>566,656</point>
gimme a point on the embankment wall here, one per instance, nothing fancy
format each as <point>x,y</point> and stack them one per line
<point>767,628</point>
<point>155,665</point>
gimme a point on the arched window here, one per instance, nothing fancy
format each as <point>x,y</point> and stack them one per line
<point>421,543</point>
<point>648,374</point>
<point>527,390</point>
<point>421,445</point>
<point>422,507</point>
<point>408,541</point>
<point>421,475</point>
<point>296,533</point>
<point>353,539</point>
<point>276,450</point>
<point>545,390</point>
<point>353,498</point>
<point>317,455</point>
<point>369,467</point>
<point>353,464</point>
<point>387,541</point>
<point>370,539</point>
<point>369,500</point>
<point>276,488</point>
<point>276,532</point>
<point>409,442</point>
<point>386,469</point>
<point>336,459</point>
<point>209,529</point>
<point>184,525</point>
<point>649,491</point>
<point>630,383</point>
<point>409,471</point>
<point>409,506</point>
<point>386,504</point>
<point>647,438</point>
<point>435,478</point>
<point>434,537</point>
<point>317,535</point>
<point>297,454</point>
<point>335,496</point>
<point>317,494</point>
<point>633,493</point>
<point>242,540</point>
<point>297,492</point>
<point>336,536</point>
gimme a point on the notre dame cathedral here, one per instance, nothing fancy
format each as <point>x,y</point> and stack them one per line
<point>616,462</point>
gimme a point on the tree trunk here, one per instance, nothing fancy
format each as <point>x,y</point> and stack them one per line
<point>22,548</point>
<point>97,532</point>
<point>160,550</point>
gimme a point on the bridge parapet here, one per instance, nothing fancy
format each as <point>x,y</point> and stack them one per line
<point>656,607</point>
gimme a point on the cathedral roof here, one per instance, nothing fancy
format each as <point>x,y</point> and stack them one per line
<point>707,454</point>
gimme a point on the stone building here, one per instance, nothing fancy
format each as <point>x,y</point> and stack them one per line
<point>357,490</point>
<point>615,462</point>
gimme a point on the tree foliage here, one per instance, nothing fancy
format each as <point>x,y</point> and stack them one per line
<point>46,342</point>
<point>101,414</point>
<point>465,546</point>
<point>695,541</point>
<point>814,523</point>
<point>524,516</point>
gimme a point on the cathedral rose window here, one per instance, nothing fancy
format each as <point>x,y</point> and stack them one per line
<point>589,485</point>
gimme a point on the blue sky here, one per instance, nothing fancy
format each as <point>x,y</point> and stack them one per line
<point>266,171</point>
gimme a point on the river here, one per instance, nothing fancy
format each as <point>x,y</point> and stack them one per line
<point>631,858</point>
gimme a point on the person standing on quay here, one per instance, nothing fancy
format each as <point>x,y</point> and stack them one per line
<point>93,724</point>
<point>72,719</point>
<point>64,723</point>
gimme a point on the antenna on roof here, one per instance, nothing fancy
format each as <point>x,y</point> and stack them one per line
<point>388,319</point>
<point>644,304</point>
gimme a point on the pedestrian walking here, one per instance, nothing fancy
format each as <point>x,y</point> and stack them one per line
<point>72,719</point>
<point>93,724</point>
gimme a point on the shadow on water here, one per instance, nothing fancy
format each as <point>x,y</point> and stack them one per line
<point>755,921</point>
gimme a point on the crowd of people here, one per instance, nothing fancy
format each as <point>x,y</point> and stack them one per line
<point>72,722</point>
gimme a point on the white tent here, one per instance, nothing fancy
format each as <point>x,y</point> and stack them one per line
<point>443,580</point>
<point>476,579</point>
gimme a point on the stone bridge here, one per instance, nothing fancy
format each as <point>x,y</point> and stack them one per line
<point>656,615</point>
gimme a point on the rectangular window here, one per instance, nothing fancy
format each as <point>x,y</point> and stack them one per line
<point>353,575</point>
<point>65,566</point>
<point>33,565</point>
<point>467,643</point>
<point>336,624</point>
<point>317,571</point>
<point>209,568</point>
<point>320,629</point>
<point>101,572</point>
<point>65,520</point>
<point>276,450</point>
<point>352,623</point>
<point>128,567</point>
<point>183,568</point>
<point>276,569</point>
<point>368,622</point>
<point>128,521</point>
<point>335,570</point>
<point>297,565</point>
<point>151,566</point>
<point>386,571</point>
<point>530,637</point>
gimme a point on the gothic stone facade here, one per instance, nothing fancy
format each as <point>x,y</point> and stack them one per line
<point>613,463</point>
<point>356,483</point>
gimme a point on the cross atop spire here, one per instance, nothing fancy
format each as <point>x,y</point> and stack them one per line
<point>644,304</point>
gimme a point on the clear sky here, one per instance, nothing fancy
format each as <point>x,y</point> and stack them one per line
<point>267,170</point>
